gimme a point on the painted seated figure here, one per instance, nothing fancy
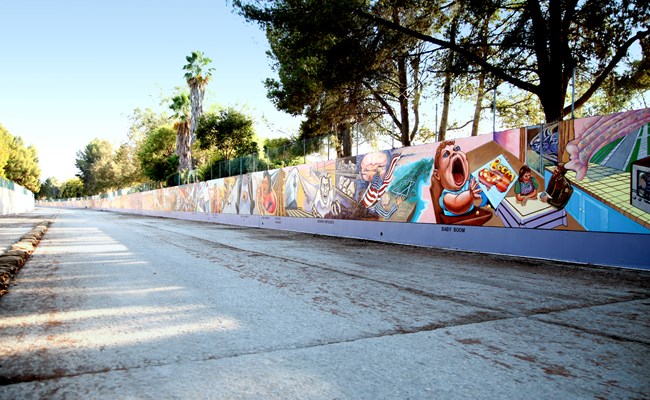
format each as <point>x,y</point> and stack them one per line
<point>454,190</point>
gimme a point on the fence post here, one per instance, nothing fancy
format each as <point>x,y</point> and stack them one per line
<point>436,130</point>
<point>494,111</point>
<point>357,131</point>
<point>573,92</point>
<point>328,147</point>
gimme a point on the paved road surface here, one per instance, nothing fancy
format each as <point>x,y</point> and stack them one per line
<point>127,307</point>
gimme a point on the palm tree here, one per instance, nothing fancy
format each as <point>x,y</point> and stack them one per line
<point>197,76</point>
<point>181,107</point>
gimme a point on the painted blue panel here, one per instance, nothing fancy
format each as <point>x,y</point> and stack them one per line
<point>594,215</point>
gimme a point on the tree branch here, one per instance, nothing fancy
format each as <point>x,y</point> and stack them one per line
<point>498,72</point>
<point>608,69</point>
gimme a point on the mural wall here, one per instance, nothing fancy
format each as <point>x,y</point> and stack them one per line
<point>587,175</point>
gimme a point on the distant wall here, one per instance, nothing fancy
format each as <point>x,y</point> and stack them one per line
<point>574,191</point>
<point>14,199</point>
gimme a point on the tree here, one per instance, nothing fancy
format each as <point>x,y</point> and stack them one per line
<point>50,189</point>
<point>229,132</point>
<point>72,188</point>
<point>22,165</point>
<point>338,69</point>
<point>156,154</point>
<point>197,77</point>
<point>128,171</point>
<point>181,107</point>
<point>281,152</point>
<point>541,42</point>
<point>97,167</point>
<point>144,121</point>
<point>5,141</point>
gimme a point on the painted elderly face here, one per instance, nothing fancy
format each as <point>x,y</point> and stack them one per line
<point>373,163</point>
<point>454,168</point>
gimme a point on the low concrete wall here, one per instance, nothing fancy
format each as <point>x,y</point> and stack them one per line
<point>14,199</point>
<point>592,248</point>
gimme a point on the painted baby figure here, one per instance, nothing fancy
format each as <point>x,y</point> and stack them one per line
<point>455,190</point>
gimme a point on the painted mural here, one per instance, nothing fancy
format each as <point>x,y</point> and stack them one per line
<point>585,174</point>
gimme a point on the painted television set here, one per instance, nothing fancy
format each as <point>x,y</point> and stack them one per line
<point>640,190</point>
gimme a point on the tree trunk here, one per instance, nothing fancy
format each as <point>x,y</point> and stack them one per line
<point>197,92</point>
<point>183,143</point>
<point>481,78</point>
<point>446,96</point>
<point>552,104</point>
<point>479,102</point>
<point>417,91</point>
<point>344,137</point>
<point>449,75</point>
<point>402,82</point>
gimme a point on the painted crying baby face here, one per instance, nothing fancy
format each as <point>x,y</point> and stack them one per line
<point>453,167</point>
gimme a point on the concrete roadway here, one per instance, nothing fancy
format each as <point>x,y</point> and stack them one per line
<point>129,307</point>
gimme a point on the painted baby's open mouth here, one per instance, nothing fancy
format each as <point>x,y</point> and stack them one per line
<point>458,171</point>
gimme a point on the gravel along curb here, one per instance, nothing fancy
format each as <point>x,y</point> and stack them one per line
<point>13,260</point>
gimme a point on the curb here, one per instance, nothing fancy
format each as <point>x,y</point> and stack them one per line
<point>13,260</point>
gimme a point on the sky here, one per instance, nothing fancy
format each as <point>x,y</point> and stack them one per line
<point>74,70</point>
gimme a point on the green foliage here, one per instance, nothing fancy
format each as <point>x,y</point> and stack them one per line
<point>535,45</point>
<point>196,68</point>
<point>128,171</point>
<point>50,189</point>
<point>519,109</point>
<point>5,141</point>
<point>180,104</point>
<point>72,188</point>
<point>156,154</point>
<point>282,152</point>
<point>17,162</point>
<point>98,170</point>
<point>338,68</point>
<point>344,61</point>
<point>220,168</point>
<point>143,121</point>
<point>229,132</point>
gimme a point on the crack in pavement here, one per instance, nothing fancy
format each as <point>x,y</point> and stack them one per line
<point>59,374</point>
<point>547,310</point>
<point>4,381</point>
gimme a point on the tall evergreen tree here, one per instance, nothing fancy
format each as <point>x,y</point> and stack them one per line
<point>22,165</point>
<point>97,168</point>
<point>541,43</point>
<point>338,69</point>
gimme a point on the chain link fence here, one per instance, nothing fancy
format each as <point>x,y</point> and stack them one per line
<point>289,153</point>
<point>6,183</point>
